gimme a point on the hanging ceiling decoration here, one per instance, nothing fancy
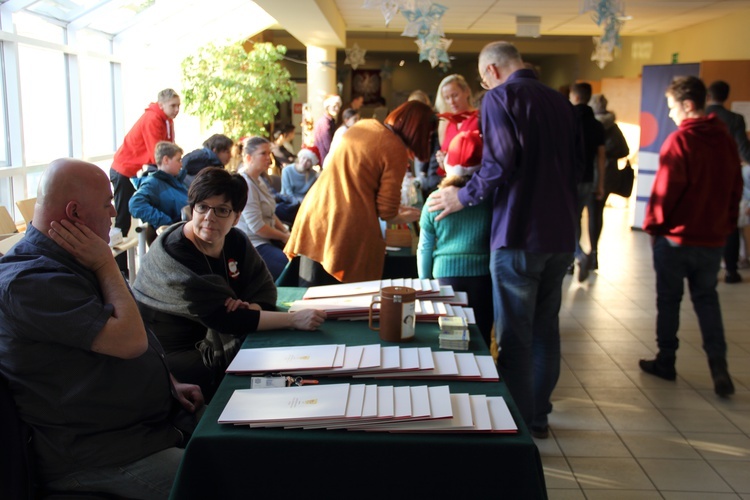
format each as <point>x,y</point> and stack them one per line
<point>355,56</point>
<point>434,49</point>
<point>389,8</point>
<point>424,22</point>
<point>610,15</point>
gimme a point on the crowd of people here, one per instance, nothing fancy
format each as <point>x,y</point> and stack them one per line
<point>111,380</point>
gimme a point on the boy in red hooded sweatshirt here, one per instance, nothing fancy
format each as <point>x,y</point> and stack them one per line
<point>156,124</point>
<point>693,207</point>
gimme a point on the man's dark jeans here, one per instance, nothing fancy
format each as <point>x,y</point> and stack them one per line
<point>700,265</point>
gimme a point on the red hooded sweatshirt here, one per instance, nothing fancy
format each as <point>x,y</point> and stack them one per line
<point>697,189</point>
<point>138,147</point>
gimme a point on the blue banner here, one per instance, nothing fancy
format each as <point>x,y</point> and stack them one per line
<point>655,122</point>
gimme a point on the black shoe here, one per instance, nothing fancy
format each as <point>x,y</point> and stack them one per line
<point>661,367</point>
<point>540,432</point>
<point>723,385</point>
<point>583,268</point>
<point>732,277</point>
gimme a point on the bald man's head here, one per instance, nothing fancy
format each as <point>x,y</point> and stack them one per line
<point>74,190</point>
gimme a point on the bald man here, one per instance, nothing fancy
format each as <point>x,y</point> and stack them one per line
<point>87,377</point>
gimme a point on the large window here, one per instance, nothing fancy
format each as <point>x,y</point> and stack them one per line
<point>35,27</point>
<point>97,106</point>
<point>3,116</point>
<point>44,102</point>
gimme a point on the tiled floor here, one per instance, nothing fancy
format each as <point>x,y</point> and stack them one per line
<point>618,433</point>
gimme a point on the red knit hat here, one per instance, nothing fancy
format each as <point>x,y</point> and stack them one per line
<point>464,156</point>
<point>311,153</point>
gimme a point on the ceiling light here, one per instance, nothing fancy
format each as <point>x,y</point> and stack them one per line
<point>528,26</point>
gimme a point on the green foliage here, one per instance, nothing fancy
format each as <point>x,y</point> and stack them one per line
<point>240,89</point>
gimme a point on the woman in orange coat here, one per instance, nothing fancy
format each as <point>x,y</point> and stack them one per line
<point>337,231</point>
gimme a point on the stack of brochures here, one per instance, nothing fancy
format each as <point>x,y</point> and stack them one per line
<point>423,288</point>
<point>454,333</point>
<point>365,361</point>
<point>351,301</point>
<point>370,408</point>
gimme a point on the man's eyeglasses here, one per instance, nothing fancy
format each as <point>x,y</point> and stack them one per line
<point>221,212</point>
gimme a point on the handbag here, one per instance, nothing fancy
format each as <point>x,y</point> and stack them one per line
<point>619,182</point>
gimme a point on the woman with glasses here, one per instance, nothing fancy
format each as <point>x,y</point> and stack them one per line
<point>202,286</point>
<point>258,219</point>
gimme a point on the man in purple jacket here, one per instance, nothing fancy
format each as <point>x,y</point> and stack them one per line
<point>531,166</point>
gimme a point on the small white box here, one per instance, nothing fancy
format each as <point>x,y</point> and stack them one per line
<point>451,324</point>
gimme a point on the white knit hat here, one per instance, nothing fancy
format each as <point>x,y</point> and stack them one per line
<point>311,153</point>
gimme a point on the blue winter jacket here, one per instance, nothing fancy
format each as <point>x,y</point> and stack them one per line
<point>159,199</point>
<point>197,160</point>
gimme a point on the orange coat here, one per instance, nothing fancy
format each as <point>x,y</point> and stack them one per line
<point>337,224</point>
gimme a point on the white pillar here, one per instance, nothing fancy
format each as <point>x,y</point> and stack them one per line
<point>321,76</point>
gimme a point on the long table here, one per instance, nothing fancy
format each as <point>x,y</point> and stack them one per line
<point>236,462</point>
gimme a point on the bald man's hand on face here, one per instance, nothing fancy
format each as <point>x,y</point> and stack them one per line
<point>74,208</point>
<point>82,243</point>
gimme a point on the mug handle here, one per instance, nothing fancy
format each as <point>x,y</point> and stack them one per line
<point>376,300</point>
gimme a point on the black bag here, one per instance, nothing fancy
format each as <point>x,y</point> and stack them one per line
<point>619,182</point>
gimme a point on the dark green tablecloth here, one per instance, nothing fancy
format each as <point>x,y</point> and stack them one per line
<point>229,462</point>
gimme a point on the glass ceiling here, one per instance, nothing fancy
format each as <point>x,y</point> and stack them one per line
<point>179,24</point>
<point>108,16</point>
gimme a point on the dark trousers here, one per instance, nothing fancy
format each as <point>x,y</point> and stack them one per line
<point>596,220</point>
<point>699,265</point>
<point>479,291</point>
<point>527,289</point>
<point>732,251</point>
<point>123,190</point>
<point>274,258</point>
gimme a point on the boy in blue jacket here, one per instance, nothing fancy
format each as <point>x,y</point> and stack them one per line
<point>161,195</point>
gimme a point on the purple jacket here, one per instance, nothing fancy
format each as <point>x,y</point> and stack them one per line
<point>325,127</point>
<point>531,163</point>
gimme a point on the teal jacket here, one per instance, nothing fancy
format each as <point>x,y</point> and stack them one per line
<point>457,246</point>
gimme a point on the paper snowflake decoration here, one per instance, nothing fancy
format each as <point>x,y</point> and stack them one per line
<point>389,8</point>
<point>424,19</point>
<point>355,56</point>
<point>603,53</point>
<point>434,49</point>
<point>609,14</point>
<point>386,71</point>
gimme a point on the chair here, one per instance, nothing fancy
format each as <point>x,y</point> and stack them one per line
<point>290,275</point>
<point>275,181</point>
<point>26,207</point>
<point>7,224</point>
<point>6,243</point>
<point>135,246</point>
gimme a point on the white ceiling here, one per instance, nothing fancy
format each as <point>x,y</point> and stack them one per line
<point>559,17</point>
<point>187,24</point>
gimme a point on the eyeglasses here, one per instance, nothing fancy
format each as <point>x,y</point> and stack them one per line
<point>482,83</point>
<point>221,212</point>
